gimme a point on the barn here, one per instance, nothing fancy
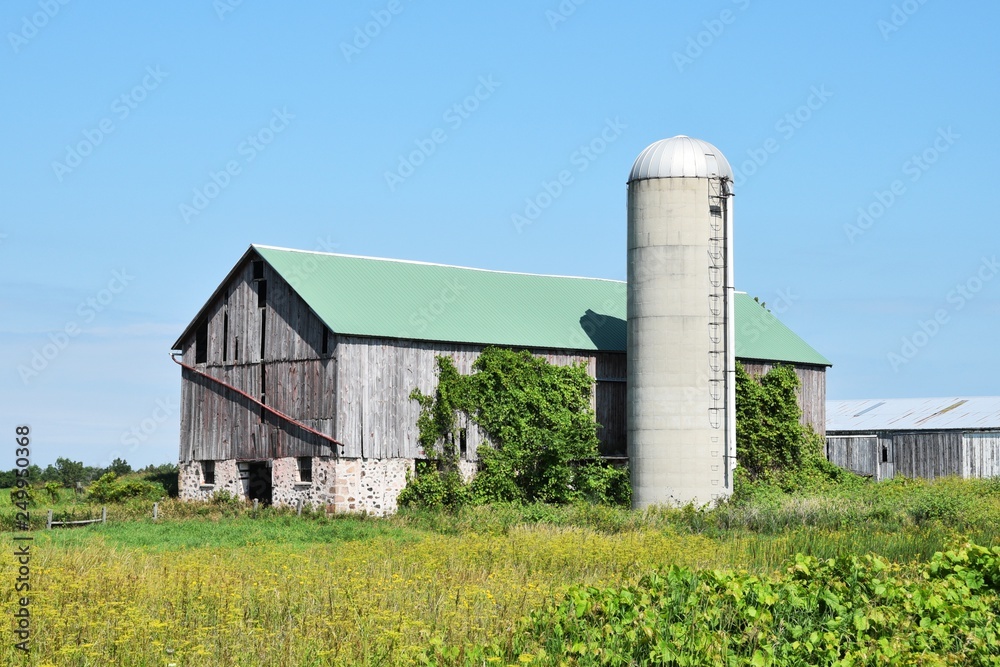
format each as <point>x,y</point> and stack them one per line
<point>297,371</point>
<point>915,437</point>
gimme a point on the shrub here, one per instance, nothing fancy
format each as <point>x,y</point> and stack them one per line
<point>775,453</point>
<point>940,502</point>
<point>495,482</point>
<point>110,489</point>
<point>605,484</point>
<point>768,432</point>
<point>540,430</point>
<point>224,498</point>
<point>538,420</point>
<point>52,489</point>
<point>430,488</point>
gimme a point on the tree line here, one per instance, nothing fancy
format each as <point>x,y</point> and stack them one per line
<point>68,472</point>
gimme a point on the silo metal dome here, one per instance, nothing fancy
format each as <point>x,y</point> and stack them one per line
<point>680,157</point>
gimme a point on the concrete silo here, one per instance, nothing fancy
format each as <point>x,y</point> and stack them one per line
<point>681,356</point>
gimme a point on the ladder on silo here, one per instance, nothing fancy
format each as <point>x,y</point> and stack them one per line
<point>717,200</point>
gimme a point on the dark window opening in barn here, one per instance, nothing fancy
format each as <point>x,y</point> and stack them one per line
<point>305,469</point>
<point>225,336</point>
<point>325,348</point>
<point>263,334</point>
<point>201,343</point>
<point>262,294</point>
<point>258,269</point>
<point>885,454</point>
<point>236,348</point>
<point>208,472</point>
<point>463,445</point>
<point>263,392</point>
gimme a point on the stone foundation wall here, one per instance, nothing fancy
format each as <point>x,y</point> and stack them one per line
<point>381,482</point>
<point>339,485</point>
<point>366,485</point>
<point>191,485</point>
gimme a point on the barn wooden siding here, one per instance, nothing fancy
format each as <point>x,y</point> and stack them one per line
<point>377,419</point>
<point>982,454</point>
<point>811,393</point>
<point>358,392</point>
<point>609,392</point>
<point>859,453</point>
<point>295,378</point>
<point>925,454</point>
<point>928,455</point>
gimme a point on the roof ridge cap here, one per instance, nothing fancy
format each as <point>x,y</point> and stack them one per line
<point>423,263</point>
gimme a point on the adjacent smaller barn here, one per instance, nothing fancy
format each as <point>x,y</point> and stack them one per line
<point>915,437</point>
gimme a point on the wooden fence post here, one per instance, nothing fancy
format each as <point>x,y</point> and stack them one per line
<point>299,503</point>
<point>104,515</point>
<point>48,524</point>
<point>255,500</point>
<point>155,510</point>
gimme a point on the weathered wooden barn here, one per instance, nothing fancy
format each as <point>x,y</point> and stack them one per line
<point>297,372</point>
<point>916,437</point>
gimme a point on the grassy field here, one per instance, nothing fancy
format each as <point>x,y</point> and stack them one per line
<point>225,585</point>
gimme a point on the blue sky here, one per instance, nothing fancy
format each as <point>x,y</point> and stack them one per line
<point>148,144</point>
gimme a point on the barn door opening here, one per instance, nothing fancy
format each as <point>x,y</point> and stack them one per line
<point>887,458</point>
<point>258,482</point>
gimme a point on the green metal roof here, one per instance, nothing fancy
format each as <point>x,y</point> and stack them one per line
<point>761,335</point>
<point>388,298</point>
<point>365,296</point>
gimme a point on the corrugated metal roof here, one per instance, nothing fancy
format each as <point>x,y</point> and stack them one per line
<point>367,296</point>
<point>680,157</point>
<point>913,414</point>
